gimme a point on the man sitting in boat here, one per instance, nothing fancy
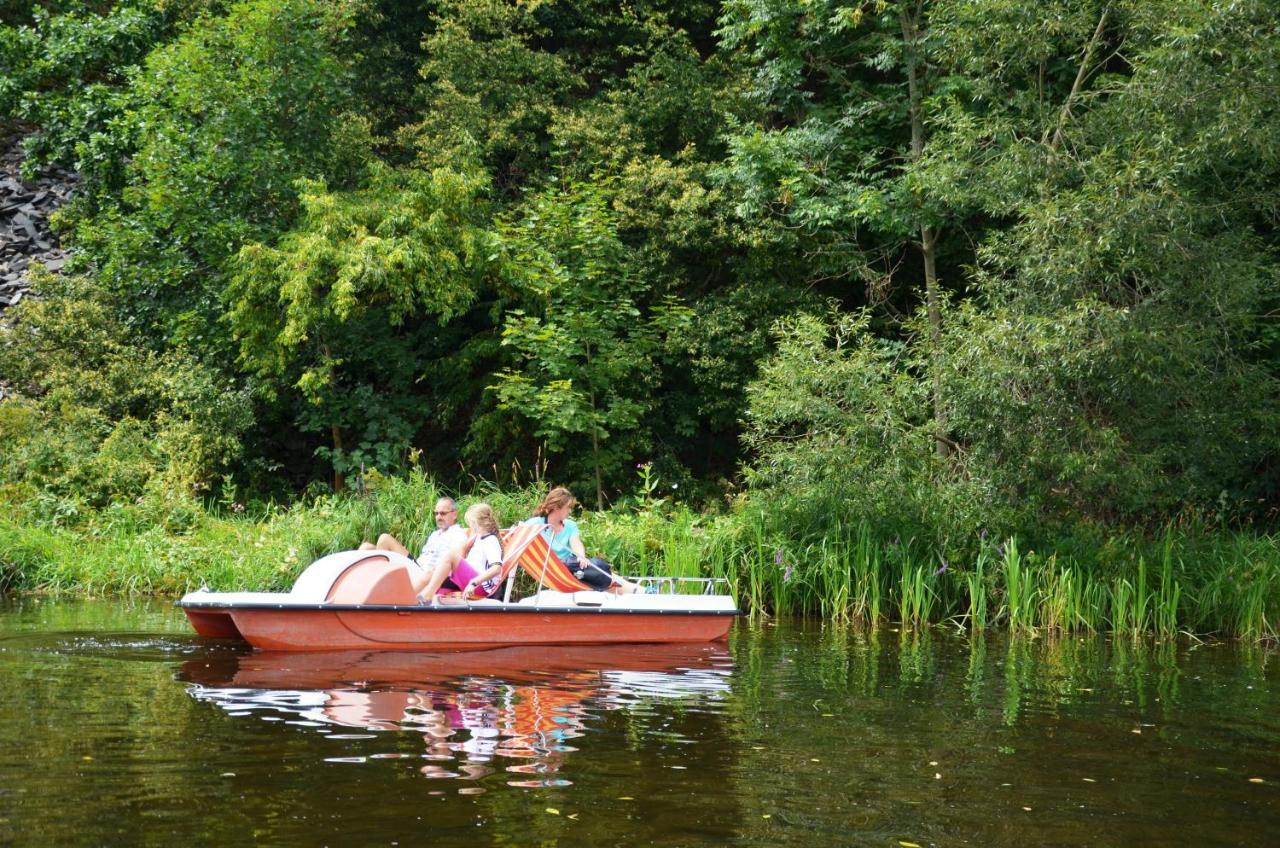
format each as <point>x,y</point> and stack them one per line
<point>474,567</point>
<point>447,536</point>
<point>566,543</point>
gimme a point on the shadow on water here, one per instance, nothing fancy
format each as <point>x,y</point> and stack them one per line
<point>791,734</point>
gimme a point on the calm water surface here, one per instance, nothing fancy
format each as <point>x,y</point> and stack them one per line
<point>120,727</point>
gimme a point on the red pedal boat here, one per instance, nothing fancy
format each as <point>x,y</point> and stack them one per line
<point>365,600</point>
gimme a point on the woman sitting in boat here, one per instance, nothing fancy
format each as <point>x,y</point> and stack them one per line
<point>566,543</point>
<point>474,567</point>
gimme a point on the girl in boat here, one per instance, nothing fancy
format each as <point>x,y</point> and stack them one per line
<point>566,543</point>
<point>474,567</point>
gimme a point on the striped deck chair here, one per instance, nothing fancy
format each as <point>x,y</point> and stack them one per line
<point>541,563</point>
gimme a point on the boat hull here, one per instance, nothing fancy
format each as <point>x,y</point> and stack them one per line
<point>422,628</point>
<point>213,624</point>
<point>365,600</point>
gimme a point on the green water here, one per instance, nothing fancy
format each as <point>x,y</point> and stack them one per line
<point>120,727</point>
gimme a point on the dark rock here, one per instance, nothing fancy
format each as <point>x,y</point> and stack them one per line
<point>25,236</point>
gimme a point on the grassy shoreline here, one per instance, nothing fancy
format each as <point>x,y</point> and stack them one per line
<point>1185,580</point>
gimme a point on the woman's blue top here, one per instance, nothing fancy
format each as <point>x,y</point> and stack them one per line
<point>559,541</point>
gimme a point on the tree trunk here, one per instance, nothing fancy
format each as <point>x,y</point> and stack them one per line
<point>928,241</point>
<point>595,447</point>
<point>595,437</point>
<point>910,21</point>
<point>339,479</point>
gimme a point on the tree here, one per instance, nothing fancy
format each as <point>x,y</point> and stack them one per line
<point>221,122</point>
<point>94,419</point>
<point>65,70</point>
<point>1105,157</point>
<point>585,343</point>
<point>321,313</point>
<point>1137,238</point>
<point>848,92</point>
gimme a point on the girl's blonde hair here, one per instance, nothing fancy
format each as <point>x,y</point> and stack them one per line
<point>556,498</point>
<point>480,518</point>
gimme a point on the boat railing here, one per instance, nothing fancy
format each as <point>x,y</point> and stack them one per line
<point>671,585</point>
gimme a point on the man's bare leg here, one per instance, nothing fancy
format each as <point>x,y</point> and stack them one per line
<point>387,542</point>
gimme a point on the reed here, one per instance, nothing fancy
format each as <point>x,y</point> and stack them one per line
<point>722,563</point>
<point>916,597</point>
<point>1251,619</point>
<point>1168,594</point>
<point>783,582</point>
<point>1131,602</point>
<point>1241,593</point>
<point>1121,608</point>
<point>1019,589</point>
<point>868,590</point>
<point>758,582</point>
<point>1091,609</point>
<point>681,557</point>
<point>1059,597</point>
<point>976,584</point>
<point>834,579</point>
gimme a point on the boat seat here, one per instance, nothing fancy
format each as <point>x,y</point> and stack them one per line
<point>373,581</point>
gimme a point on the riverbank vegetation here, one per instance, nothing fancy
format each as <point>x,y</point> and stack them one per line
<point>931,310</point>
<point>1185,579</point>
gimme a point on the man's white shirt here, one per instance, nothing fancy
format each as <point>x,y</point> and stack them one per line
<point>439,542</point>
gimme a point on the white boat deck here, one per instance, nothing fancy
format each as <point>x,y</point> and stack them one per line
<point>545,599</point>
<point>313,588</point>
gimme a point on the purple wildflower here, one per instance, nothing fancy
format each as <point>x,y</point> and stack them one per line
<point>786,575</point>
<point>778,557</point>
<point>945,565</point>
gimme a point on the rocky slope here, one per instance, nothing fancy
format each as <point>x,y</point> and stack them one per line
<point>25,207</point>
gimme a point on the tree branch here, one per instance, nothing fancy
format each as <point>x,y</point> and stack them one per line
<point>1081,76</point>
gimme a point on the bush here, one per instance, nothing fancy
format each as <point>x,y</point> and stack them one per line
<point>95,419</point>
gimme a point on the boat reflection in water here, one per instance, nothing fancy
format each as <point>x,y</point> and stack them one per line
<point>475,710</point>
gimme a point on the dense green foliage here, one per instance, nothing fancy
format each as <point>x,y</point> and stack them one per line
<point>1101,350</point>
<point>939,268</point>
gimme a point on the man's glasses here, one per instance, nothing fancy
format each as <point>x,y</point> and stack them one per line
<point>445,511</point>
